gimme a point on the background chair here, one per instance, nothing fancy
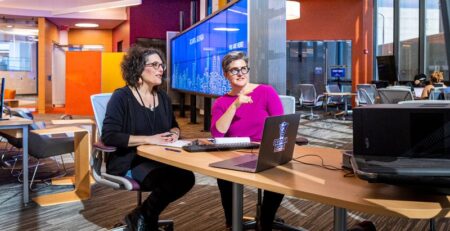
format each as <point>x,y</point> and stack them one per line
<point>394,95</point>
<point>334,100</point>
<point>99,153</point>
<point>288,104</point>
<point>309,98</point>
<point>40,146</point>
<point>371,91</point>
<point>364,96</point>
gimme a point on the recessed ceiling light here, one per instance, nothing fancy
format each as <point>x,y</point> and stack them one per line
<point>9,26</point>
<point>86,25</point>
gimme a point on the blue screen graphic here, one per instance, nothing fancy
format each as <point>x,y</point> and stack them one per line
<point>196,54</point>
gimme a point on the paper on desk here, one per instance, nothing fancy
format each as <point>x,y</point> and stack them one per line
<point>230,140</point>
<point>176,144</point>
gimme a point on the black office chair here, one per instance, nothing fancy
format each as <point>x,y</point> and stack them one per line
<point>100,152</point>
<point>40,146</point>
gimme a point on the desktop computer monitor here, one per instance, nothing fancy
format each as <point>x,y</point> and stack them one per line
<point>2,97</point>
<point>387,70</point>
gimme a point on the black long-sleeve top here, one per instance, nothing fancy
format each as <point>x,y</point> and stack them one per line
<point>125,116</point>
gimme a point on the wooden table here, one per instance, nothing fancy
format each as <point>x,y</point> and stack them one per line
<point>70,180</point>
<point>18,127</point>
<point>82,148</point>
<point>311,183</point>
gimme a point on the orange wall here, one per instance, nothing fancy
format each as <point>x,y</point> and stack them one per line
<point>48,33</point>
<point>83,69</point>
<point>91,37</point>
<point>339,20</point>
<point>121,33</point>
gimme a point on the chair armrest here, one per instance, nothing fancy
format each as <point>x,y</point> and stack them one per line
<point>99,145</point>
<point>320,98</point>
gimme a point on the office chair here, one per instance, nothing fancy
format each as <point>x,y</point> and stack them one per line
<point>278,224</point>
<point>395,95</point>
<point>334,100</point>
<point>371,91</point>
<point>100,152</point>
<point>365,97</point>
<point>309,98</point>
<point>40,146</point>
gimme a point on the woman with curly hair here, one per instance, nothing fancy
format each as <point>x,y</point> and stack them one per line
<point>137,114</point>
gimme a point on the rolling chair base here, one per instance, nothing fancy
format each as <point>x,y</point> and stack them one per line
<point>166,225</point>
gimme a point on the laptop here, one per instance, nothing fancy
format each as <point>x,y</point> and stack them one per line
<point>402,143</point>
<point>276,148</point>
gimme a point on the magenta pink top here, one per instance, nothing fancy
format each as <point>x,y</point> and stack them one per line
<point>249,118</point>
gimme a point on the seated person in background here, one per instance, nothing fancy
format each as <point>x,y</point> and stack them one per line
<point>242,113</point>
<point>436,78</point>
<point>139,113</point>
<point>419,80</point>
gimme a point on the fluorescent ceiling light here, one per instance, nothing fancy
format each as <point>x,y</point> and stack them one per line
<point>292,10</point>
<point>99,6</point>
<point>9,26</point>
<point>225,29</point>
<point>86,25</point>
<point>17,31</point>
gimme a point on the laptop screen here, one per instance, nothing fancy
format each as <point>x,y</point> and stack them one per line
<point>396,130</point>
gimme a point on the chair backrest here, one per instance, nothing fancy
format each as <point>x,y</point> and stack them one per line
<point>365,96</point>
<point>447,93</point>
<point>288,103</point>
<point>307,93</point>
<point>99,103</point>
<point>394,95</point>
<point>370,89</point>
<point>436,93</point>
<point>333,88</point>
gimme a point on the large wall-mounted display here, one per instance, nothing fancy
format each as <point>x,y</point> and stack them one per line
<point>196,54</point>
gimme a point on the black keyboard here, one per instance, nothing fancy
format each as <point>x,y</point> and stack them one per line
<point>219,147</point>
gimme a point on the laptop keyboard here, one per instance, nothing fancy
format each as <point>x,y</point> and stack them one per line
<point>219,147</point>
<point>410,163</point>
<point>249,164</point>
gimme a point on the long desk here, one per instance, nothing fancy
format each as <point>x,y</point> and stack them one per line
<point>18,127</point>
<point>311,183</point>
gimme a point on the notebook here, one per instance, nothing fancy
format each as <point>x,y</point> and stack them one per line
<point>402,143</point>
<point>276,148</point>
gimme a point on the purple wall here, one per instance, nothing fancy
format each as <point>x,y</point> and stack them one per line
<point>153,18</point>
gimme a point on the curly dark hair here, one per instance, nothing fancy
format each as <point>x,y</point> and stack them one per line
<point>133,63</point>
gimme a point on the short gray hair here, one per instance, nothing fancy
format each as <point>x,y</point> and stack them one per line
<point>233,56</point>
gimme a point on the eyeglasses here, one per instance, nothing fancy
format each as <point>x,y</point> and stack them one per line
<point>156,65</point>
<point>244,70</point>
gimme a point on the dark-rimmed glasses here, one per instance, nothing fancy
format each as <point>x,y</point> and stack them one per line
<point>244,70</point>
<point>156,65</point>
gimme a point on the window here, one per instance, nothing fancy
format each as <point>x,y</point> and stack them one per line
<point>16,51</point>
<point>436,58</point>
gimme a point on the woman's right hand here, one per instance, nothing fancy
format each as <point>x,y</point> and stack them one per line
<point>242,99</point>
<point>161,138</point>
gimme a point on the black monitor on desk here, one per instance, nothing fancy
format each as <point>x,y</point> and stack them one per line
<point>2,98</point>
<point>387,71</point>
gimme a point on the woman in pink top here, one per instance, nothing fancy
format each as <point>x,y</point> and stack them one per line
<point>241,113</point>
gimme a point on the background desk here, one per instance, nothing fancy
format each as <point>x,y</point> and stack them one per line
<point>312,183</point>
<point>18,127</point>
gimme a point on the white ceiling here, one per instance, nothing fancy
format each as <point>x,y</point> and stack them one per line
<point>68,12</point>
